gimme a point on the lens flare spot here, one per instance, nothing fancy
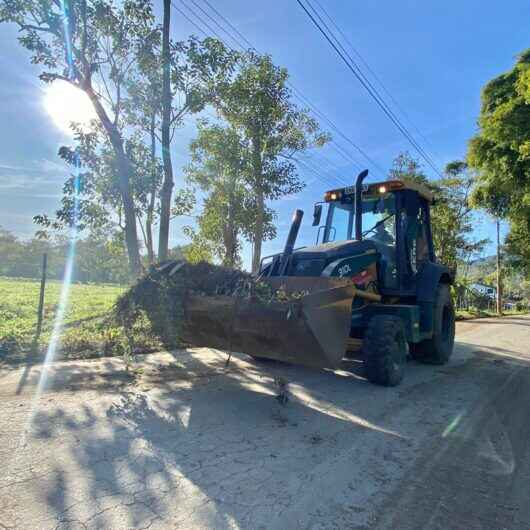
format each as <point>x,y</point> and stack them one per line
<point>66,104</point>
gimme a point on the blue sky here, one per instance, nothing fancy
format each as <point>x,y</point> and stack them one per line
<point>433,57</point>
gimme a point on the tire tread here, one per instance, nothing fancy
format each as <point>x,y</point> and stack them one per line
<point>381,349</point>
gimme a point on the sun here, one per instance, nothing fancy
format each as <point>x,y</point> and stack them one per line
<point>66,104</point>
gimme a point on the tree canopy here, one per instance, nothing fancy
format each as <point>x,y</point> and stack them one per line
<point>451,215</point>
<point>500,153</point>
<point>258,103</point>
<point>221,168</point>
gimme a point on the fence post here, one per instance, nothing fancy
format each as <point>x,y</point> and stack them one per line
<point>41,296</point>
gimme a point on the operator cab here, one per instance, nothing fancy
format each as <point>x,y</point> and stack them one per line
<point>394,218</point>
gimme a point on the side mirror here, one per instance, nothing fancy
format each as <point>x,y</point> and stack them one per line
<point>317,214</point>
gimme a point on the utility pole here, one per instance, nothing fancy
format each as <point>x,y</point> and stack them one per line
<point>499,274</point>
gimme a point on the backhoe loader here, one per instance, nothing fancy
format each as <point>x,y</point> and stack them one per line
<point>370,283</point>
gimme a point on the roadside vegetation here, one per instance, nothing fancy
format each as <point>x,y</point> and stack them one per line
<point>88,329</point>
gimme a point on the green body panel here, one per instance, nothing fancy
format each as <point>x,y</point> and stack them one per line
<point>417,319</point>
<point>409,314</point>
<point>348,267</point>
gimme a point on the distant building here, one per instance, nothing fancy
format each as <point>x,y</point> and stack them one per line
<point>484,290</point>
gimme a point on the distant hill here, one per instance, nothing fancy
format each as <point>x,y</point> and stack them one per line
<point>480,268</point>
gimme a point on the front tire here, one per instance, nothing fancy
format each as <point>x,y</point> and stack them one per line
<point>385,350</point>
<point>438,349</point>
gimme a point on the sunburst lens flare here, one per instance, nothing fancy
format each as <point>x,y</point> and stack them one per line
<point>66,104</point>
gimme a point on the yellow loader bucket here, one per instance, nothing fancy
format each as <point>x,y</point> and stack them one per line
<point>311,330</point>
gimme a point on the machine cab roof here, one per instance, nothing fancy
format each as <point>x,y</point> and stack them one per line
<point>378,188</point>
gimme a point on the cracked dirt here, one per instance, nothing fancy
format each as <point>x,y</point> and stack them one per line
<point>186,443</point>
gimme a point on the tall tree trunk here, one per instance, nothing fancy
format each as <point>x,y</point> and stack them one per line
<point>131,235</point>
<point>152,198</point>
<point>260,203</point>
<point>499,272</point>
<point>167,187</point>
<point>230,233</point>
<point>124,171</point>
<point>258,230</point>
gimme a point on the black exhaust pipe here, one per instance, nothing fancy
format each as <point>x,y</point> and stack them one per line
<point>291,240</point>
<point>358,204</point>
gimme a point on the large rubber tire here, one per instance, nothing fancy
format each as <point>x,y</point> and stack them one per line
<point>385,350</point>
<point>438,349</point>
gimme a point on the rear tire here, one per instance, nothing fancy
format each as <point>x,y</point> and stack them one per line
<point>385,350</point>
<point>438,349</point>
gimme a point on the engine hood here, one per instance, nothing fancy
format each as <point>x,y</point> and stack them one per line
<point>335,250</point>
<point>313,261</point>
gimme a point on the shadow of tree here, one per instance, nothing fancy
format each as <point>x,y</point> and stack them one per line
<point>201,443</point>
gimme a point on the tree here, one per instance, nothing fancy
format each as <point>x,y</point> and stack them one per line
<point>406,168</point>
<point>199,249</point>
<point>91,44</point>
<point>218,167</point>
<point>500,153</point>
<point>91,195</point>
<point>258,104</point>
<point>221,168</point>
<point>101,257</point>
<point>451,215</point>
<point>167,187</point>
<point>518,249</point>
<point>10,252</point>
<point>170,84</point>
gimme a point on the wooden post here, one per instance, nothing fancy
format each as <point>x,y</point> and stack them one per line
<point>41,296</point>
<point>499,274</point>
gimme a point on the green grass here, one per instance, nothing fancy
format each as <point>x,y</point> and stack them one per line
<point>468,314</point>
<point>87,329</point>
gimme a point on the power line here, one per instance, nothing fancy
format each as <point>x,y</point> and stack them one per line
<point>206,25</point>
<point>189,19</point>
<point>339,132</point>
<point>375,94</point>
<point>369,86</point>
<point>308,159</point>
<point>298,94</point>
<point>374,74</point>
<point>331,164</point>
<point>350,63</point>
<point>373,91</point>
<point>317,172</point>
<point>231,26</point>
<point>207,15</point>
<point>323,174</point>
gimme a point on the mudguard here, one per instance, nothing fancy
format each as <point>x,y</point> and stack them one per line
<point>430,275</point>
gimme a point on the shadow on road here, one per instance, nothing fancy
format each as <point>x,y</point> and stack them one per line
<point>190,442</point>
<point>192,439</point>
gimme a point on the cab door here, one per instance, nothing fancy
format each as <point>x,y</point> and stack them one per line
<point>414,233</point>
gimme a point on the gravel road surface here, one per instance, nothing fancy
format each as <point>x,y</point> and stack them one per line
<point>186,443</point>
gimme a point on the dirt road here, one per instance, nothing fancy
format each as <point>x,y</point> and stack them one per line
<point>186,443</point>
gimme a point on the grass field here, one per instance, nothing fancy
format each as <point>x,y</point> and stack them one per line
<point>86,329</point>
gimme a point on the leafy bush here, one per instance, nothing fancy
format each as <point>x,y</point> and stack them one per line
<point>158,298</point>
